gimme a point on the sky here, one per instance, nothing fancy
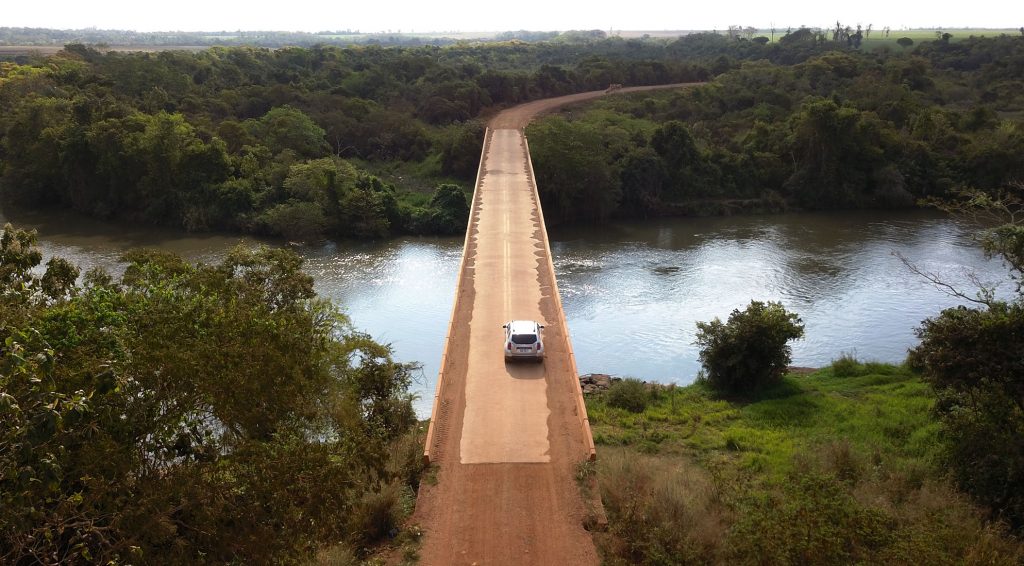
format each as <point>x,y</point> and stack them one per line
<point>468,16</point>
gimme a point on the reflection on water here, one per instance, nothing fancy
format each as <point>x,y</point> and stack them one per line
<point>632,291</point>
<point>635,313</point>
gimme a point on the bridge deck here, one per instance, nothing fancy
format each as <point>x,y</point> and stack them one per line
<point>506,438</point>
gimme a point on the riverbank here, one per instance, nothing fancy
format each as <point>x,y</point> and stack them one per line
<point>834,466</point>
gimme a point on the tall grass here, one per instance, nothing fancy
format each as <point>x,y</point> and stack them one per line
<point>833,468</point>
<point>661,511</point>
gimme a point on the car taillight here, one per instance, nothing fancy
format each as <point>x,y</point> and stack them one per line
<point>509,345</point>
<point>539,346</point>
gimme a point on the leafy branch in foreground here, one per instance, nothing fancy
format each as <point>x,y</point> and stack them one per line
<point>191,413</point>
<point>1000,218</point>
<point>972,358</point>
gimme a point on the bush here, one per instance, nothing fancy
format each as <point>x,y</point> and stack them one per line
<point>749,351</point>
<point>847,366</point>
<point>660,511</point>
<point>629,394</point>
<point>973,360</point>
<point>446,213</point>
<point>295,220</point>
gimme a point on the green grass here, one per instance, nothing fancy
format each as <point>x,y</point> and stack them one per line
<point>840,466</point>
<point>885,411</point>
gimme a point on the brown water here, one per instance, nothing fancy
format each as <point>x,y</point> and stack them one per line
<point>632,291</point>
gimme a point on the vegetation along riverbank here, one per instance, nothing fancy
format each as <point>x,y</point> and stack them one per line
<point>838,466</point>
<point>365,141</point>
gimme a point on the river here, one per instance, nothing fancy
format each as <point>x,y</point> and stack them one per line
<point>632,291</point>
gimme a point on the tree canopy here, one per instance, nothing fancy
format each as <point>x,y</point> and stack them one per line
<point>188,412</point>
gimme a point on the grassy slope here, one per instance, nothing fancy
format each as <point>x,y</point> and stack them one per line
<point>820,469</point>
<point>886,410</point>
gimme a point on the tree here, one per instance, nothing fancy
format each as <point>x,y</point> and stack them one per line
<point>838,152</point>
<point>574,173</point>
<point>447,212</point>
<point>286,127</point>
<point>297,221</point>
<point>903,42</point>
<point>751,350</point>
<point>642,179</point>
<point>460,149</point>
<point>971,357</point>
<point>683,161</point>
<point>190,413</point>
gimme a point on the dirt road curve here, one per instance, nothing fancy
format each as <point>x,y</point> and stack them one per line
<point>506,438</point>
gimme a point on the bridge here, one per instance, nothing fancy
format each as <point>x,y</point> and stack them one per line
<point>506,439</point>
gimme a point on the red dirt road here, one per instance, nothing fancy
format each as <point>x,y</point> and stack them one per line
<point>506,438</point>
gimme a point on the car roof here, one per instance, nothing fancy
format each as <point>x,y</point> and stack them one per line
<point>522,326</point>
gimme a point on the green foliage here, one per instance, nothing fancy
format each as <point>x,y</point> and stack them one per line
<point>629,394</point>
<point>643,178</point>
<point>447,212</point>
<point>295,220</point>
<point>812,519</point>
<point>813,470</point>
<point>847,365</point>
<point>971,358</point>
<point>460,149</point>
<point>286,128</point>
<point>685,164</point>
<point>188,413</point>
<point>751,350</point>
<point>205,140</point>
<point>574,176</point>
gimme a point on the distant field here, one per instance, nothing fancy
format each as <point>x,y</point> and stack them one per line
<point>877,38</point>
<point>15,50</point>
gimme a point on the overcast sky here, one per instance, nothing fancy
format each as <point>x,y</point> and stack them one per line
<point>534,15</point>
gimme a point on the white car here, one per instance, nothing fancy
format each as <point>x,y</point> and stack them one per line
<point>524,340</point>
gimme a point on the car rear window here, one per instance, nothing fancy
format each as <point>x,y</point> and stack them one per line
<point>524,338</point>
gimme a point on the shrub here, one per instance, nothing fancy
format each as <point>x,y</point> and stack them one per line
<point>847,366</point>
<point>973,359</point>
<point>446,213</point>
<point>629,394</point>
<point>750,350</point>
<point>811,518</point>
<point>295,220</point>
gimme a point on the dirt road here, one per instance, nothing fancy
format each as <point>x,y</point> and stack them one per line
<point>507,438</point>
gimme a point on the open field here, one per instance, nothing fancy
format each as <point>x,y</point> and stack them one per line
<point>47,50</point>
<point>876,40</point>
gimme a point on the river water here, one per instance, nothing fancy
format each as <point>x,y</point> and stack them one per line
<point>632,291</point>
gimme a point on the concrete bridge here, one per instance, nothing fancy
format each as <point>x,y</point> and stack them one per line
<point>507,438</point>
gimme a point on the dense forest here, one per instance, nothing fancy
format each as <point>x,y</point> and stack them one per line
<point>839,130</point>
<point>280,141</point>
<point>370,141</point>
